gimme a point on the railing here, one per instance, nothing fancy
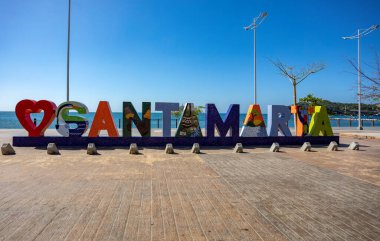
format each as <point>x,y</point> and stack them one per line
<point>335,122</point>
<point>352,122</point>
<point>157,123</point>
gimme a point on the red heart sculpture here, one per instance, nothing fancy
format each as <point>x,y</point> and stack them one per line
<point>25,107</point>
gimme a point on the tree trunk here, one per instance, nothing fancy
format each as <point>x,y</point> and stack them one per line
<point>295,103</point>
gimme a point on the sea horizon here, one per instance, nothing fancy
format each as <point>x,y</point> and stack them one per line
<point>8,120</point>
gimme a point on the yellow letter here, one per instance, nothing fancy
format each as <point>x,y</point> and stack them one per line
<point>320,123</point>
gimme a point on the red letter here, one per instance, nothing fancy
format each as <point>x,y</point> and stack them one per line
<point>25,107</point>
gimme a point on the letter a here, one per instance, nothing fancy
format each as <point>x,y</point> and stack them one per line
<point>320,123</point>
<point>254,125</point>
<point>103,120</point>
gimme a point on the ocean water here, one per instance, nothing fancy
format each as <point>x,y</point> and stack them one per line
<point>8,120</point>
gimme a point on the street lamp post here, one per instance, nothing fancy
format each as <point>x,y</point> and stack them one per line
<point>255,23</point>
<point>361,33</point>
<point>68,56</point>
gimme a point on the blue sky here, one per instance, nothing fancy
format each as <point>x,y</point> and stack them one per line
<point>179,51</point>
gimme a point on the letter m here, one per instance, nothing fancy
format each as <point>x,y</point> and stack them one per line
<point>231,121</point>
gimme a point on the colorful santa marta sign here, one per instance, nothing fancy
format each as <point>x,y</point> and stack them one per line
<point>253,132</point>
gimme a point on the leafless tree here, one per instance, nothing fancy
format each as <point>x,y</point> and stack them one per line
<point>371,85</point>
<point>297,76</point>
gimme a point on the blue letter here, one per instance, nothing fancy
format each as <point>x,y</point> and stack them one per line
<point>278,117</point>
<point>166,109</point>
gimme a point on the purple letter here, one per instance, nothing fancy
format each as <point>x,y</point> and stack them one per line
<point>231,121</point>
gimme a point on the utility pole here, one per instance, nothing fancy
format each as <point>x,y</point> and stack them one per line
<point>361,33</point>
<point>68,56</point>
<point>255,23</point>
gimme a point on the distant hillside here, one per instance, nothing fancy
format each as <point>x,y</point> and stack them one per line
<point>336,108</point>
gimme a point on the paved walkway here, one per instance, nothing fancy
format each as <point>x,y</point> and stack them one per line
<point>366,134</point>
<point>218,195</point>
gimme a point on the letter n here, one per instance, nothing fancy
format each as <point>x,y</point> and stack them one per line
<point>130,115</point>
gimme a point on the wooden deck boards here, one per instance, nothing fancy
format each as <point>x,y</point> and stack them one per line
<point>215,196</point>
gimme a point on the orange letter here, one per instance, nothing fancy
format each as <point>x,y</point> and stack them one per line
<point>103,120</point>
<point>302,119</point>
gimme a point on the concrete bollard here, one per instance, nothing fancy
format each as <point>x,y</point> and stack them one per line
<point>333,146</point>
<point>52,149</point>
<point>275,147</point>
<point>7,149</point>
<point>169,149</point>
<point>354,146</point>
<point>238,148</point>
<point>133,149</point>
<point>306,146</point>
<point>196,149</point>
<point>91,149</point>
